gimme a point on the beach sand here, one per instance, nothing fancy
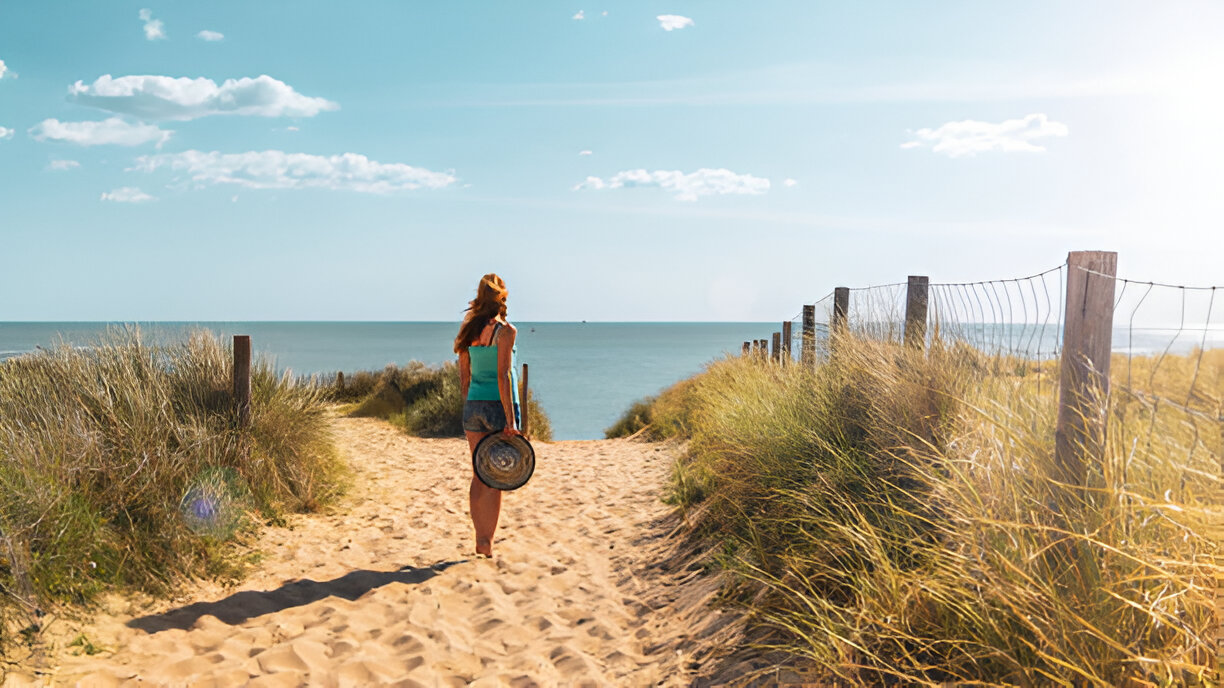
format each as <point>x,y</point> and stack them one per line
<point>587,586</point>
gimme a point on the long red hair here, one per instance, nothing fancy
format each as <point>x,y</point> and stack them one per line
<point>490,302</point>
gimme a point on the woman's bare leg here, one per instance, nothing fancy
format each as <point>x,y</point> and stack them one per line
<point>485,504</point>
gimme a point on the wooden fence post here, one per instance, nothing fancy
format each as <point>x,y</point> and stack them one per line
<point>747,348</point>
<point>1084,377</point>
<point>242,379</point>
<point>524,397</point>
<point>838,325</point>
<point>777,347</point>
<point>786,341</point>
<point>916,311</point>
<point>807,354</point>
<point>340,380</point>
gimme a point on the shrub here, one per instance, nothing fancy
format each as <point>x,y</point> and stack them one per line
<point>636,417</point>
<point>425,401</point>
<point>120,464</point>
<point>897,517</point>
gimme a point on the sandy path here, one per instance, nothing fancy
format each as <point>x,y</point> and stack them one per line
<point>384,590</point>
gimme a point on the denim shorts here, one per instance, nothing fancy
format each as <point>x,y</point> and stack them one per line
<point>487,416</point>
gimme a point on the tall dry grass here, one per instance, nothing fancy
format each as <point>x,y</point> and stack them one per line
<point>896,518</point>
<point>121,466</point>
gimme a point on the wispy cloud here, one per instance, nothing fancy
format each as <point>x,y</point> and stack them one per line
<point>580,16</point>
<point>210,36</point>
<point>970,137</point>
<point>686,187</point>
<point>6,133</point>
<point>154,28</point>
<point>126,194</point>
<point>279,170</point>
<point>61,165</point>
<point>114,131</point>
<point>585,152</point>
<point>672,22</point>
<point>3,69</point>
<point>816,83</point>
<point>788,182</point>
<point>164,97</point>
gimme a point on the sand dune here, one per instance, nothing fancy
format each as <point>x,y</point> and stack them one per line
<point>385,590</point>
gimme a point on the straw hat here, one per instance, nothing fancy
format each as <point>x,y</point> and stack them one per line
<point>503,463</point>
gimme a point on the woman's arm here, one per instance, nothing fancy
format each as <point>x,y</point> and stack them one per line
<point>465,372</point>
<point>505,360</point>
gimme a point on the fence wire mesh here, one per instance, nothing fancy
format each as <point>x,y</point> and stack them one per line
<point>1167,365</point>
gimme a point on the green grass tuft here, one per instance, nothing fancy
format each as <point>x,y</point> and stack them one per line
<point>424,401</point>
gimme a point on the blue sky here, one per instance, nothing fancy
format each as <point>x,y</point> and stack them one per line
<point>369,161</point>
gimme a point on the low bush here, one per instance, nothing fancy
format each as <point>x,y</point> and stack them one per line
<point>425,401</point>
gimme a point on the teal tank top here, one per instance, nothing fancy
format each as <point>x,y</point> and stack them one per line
<point>484,372</point>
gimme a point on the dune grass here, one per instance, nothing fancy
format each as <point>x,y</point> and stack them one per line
<point>121,467</point>
<point>424,401</point>
<point>895,519</point>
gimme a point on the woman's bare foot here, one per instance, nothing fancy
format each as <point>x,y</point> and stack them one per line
<point>484,546</point>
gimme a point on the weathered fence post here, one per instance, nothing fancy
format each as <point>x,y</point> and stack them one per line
<point>747,348</point>
<point>340,380</point>
<point>838,325</point>
<point>777,347</point>
<point>524,398</point>
<point>807,353</point>
<point>786,342</point>
<point>242,379</point>
<point>916,311</point>
<point>1084,377</point>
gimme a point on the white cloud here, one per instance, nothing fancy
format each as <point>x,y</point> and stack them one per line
<point>279,170</point>
<point>210,36</point>
<point>788,182</point>
<point>671,22</point>
<point>686,187</point>
<point>970,137</point>
<point>164,97</point>
<point>6,133</point>
<point>585,152</point>
<point>154,28</point>
<point>3,69</point>
<point>126,194</point>
<point>62,165</point>
<point>109,131</point>
<point>580,16</point>
<point>292,129</point>
<point>604,13</point>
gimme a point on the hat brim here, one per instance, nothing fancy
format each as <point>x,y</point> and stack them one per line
<point>503,463</point>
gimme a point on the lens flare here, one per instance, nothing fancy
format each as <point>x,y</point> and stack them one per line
<point>215,504</point>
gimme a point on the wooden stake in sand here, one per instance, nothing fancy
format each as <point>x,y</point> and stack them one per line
<point>916,311</point>
<point>242,379</point>
<point>524,397</point>
<point>1084,382</point>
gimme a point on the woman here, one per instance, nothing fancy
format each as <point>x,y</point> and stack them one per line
<point>486,376</point>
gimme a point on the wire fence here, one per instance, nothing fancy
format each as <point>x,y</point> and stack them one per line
<point>1166,346</point>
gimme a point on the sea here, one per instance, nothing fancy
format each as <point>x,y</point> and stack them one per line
<point>584,374</point>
